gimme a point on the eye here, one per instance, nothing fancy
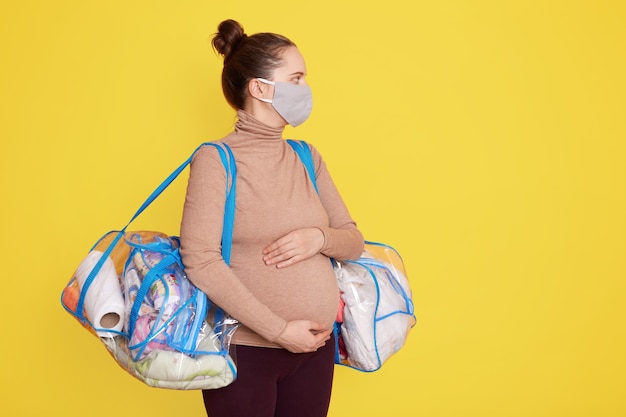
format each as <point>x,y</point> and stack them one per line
<point>298,78</point>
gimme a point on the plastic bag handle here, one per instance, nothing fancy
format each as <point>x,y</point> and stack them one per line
<point>304,152</point>
<point>228,165</point>
<point>228,160</point>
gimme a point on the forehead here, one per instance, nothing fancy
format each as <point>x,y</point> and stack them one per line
<point>293,62</point>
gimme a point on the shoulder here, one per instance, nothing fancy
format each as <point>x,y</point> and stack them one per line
<point>315,153</point>
<point>316,156</point>
<point>210,151</point>
<point>209,158</point>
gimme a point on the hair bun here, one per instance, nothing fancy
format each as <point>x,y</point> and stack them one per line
<point>229,36</point>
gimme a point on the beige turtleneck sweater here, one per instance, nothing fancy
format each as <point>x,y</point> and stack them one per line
<point>274,197</point>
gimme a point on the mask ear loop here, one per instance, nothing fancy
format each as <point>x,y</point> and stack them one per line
<point>264,81</point>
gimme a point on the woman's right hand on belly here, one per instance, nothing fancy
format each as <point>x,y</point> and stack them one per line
<point>303,336</point>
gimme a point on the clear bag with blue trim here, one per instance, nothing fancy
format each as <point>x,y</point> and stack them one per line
<point>376,312</point>
<point>131,291</point>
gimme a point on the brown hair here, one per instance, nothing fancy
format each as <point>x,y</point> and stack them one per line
<point>246,57</point>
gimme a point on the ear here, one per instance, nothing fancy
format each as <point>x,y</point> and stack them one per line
<point>260,90</point>
<point>256,88</point>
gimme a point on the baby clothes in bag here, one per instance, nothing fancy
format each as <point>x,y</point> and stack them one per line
<point>131,291</point>
<point>168,335</point>
<point>377,312</point>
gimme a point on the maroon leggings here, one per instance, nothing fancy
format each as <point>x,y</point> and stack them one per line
<point>276,383</point>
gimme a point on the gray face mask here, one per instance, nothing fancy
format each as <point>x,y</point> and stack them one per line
<point>293,102</point>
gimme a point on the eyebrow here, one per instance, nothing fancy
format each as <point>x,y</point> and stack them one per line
<point>297,73</point>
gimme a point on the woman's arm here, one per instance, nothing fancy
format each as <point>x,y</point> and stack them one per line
<point>201,248</point>
<point>342,238</point>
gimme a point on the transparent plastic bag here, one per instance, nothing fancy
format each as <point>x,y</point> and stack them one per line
<point>132,292</point>
<point>377,309</point>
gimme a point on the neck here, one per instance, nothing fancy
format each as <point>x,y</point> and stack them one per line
<point>264,113</point>
<point>250,128</point>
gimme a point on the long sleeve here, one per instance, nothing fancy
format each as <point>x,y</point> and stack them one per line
<point>201,232</point>
<point>342,238</point>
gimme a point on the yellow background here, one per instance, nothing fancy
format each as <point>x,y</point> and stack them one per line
<point>485,140</point>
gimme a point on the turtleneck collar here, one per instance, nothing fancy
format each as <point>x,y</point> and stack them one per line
<point>251,127</point>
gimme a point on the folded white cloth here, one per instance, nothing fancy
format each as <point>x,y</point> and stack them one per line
<point>378,313</point>
<point>176,370</point>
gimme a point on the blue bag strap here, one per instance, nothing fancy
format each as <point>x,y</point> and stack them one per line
<point>304,152</point>
<point>229,206</point>
<point>228,160</point>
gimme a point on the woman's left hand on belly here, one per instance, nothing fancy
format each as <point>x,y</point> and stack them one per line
<point>294,247</point>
